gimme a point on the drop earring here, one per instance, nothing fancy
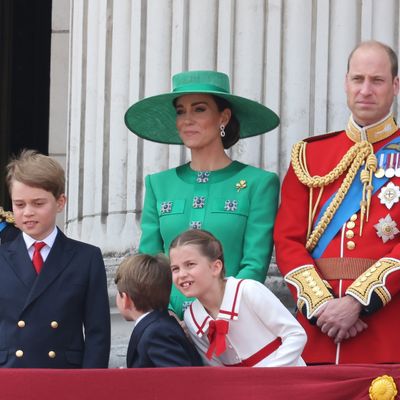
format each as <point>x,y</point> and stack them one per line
<point>222,130</point>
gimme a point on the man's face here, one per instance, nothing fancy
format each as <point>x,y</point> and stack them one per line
<point>370,87</point>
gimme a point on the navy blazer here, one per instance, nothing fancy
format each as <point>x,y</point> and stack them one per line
<point>59,318</point>
<point>159,341</point>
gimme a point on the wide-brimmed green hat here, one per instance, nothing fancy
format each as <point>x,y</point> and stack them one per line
<point>154,118</point>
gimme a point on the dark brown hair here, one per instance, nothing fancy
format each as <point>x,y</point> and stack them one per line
<point>207,243</point>
<point>36,170</point>
<point>147,280</point>
<point>232,129</point>
<point>390,52</point>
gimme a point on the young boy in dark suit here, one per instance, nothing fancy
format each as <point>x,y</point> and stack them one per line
<point>144,285</point>
<point>54,302</point>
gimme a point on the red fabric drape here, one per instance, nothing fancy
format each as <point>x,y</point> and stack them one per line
<point>347,382</point>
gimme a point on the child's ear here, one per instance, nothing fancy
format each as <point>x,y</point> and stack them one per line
<point>216,267</point>
<point>126,301</point>
<point>62,199</point>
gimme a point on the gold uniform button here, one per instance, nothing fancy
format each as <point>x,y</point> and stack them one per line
<point>353,217</point>
<point>378,264</point>
<point>358,283</point>
<point>373,269</point>
<point>349,234</point>
<point>368,274</point>
<point>350,225</point>
<point>19,353</point>
<point>54,324</point>
<point>363,279</point>
<point>21,324</point>
<point>351,245</point>
<point>52,354</point>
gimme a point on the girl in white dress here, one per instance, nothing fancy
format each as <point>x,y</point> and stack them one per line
<point>232,322</point>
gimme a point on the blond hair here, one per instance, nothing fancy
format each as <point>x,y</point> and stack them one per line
<point>36,170</point>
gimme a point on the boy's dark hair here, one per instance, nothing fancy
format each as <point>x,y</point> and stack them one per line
<point>208,244</point>
<point>36,170</point>
<point>147,280</point>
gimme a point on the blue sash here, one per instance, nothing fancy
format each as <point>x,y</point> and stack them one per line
<point>3,224</point>
<point>349,206</point>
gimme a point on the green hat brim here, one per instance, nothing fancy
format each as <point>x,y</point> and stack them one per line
<point>154,118</point>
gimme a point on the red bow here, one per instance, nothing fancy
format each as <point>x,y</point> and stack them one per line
<point>217,331</point>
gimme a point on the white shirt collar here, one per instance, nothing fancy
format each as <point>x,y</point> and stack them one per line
<point>49,240</point>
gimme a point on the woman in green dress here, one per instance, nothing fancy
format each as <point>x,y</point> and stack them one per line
<point>234,201</point>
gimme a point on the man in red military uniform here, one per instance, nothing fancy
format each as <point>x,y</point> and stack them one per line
<point>337,233</point>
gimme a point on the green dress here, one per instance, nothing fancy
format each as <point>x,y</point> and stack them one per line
<point>237,204</point>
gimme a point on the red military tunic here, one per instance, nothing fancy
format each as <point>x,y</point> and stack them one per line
<point>377,251</point>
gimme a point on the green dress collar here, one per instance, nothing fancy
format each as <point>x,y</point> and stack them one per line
<point>188,175</point>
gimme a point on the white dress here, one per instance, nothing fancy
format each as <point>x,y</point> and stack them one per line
<point>256,318</point>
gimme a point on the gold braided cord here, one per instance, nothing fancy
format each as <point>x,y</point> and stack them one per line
<point>352,162</point>
<point>300,167</point>
<point>6,216</point>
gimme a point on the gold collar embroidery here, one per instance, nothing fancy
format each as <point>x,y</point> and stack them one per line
<point>372,133</point>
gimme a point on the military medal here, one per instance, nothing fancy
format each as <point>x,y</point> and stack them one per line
<point>380,172</point>
<point>386,228</point>
<point>397,170</point>
<point>389,195</point>
<point>389,173</point>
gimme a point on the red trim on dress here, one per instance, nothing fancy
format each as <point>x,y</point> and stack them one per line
<point>259,356</point>
<point>199,327</point>
<point>232,313</point>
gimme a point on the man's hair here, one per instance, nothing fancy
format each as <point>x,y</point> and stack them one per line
<point>209,246</point>
<point>147,280</point>
<point>390,52</point>
<point>36,170</point>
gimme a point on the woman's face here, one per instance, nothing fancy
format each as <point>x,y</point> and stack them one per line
<point>198,121</point>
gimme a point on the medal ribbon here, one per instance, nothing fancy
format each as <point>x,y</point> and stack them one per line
<point>349,206</point>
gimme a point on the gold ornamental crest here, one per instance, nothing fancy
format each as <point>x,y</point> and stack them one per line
<point>383,388</point>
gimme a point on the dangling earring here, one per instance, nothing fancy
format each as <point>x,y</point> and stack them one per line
<point>222,129</point>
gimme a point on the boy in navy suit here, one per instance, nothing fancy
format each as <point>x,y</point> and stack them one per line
<point>54,302</point>
<point>144,285</point>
